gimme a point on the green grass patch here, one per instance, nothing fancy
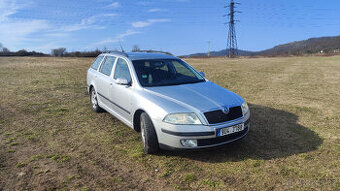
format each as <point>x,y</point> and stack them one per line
<point>34,138</point>
<point>211,183</point>
<point>36,157</point>
<point>189,177</point>
<point>14,143</point>
<point>8,133</point>
<point>10,140</point>
<point>59,158</point>
<point>21,164</point>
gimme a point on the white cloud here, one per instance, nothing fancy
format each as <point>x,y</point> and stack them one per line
<point>141,24</point>
<point>127,33</point>
<point>12,36</point>
<point>117,38</point>
<point>90,23</point>
<point>14,32</point>
<point>57,34</point>
<point>75,27</point>
<point>144,3</point>
<point>98,18</point>
<point>7,8</point>
<point>155,10</point>
<point>113,5</point>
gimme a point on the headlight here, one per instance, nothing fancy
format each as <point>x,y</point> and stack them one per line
<point>245,108</point>
<point>182,119</point>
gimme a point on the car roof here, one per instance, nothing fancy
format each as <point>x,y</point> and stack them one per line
<point>142,55</point>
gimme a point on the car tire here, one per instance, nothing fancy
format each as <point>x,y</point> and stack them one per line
<point>94,101</point>
<point>149,136</point>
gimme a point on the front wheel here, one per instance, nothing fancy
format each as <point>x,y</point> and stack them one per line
<point>94,101</point>
<point>149,137</point>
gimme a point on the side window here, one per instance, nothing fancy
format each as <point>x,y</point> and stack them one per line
<point>97,62</point>
<point>122,70</point>
<point>107,65</point>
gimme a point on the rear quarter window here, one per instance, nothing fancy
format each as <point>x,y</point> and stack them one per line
<point>106,67</point>
<point>97,62</point>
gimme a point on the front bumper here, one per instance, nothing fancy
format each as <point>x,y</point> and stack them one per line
<point>206,136</point>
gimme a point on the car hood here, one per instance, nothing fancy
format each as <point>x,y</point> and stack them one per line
<point>203,96</point>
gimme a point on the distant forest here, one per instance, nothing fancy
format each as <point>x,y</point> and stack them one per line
<point>62,52</point>
<point>58,52</point>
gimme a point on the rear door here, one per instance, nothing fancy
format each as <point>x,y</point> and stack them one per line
<point>104,79</point>
<point>92,71</point>
<point>121,94</point>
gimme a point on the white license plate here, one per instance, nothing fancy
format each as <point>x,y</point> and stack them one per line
<point>230,130</point>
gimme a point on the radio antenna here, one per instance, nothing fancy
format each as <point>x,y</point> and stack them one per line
<point>121,47</point>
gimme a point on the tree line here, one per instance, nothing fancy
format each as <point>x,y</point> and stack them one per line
<point>58,52</point>
<point>6,52</point>
<point>62,52</point>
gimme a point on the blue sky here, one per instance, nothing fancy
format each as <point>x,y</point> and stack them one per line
<point>178,26</point>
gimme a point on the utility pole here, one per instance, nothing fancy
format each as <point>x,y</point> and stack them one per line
<point>209,48</point>
<point>231,49</point>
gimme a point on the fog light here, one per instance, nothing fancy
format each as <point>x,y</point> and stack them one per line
<point>189,142</point>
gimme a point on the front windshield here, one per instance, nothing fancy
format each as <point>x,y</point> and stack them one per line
<point>165,72</point>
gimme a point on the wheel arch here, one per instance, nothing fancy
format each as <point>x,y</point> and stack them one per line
<point>136,119</point>
<point>90,88</point>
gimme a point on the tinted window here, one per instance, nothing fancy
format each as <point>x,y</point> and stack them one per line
<point>122,70</point>
<point>165,72</point>
<point>107,65</point>
<point>96,63</point>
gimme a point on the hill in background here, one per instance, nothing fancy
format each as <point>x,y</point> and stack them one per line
<point>220,53</point>
<point>326,45</point>
<point>310,46</point>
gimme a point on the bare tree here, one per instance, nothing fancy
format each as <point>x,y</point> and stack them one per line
<point>5,50</point>
<point>58,52</point>
<point>135,48</point>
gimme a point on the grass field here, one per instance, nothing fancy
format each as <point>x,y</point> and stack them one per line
<point>51,140</point>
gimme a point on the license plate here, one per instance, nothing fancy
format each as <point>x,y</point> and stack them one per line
<point>230,130</point>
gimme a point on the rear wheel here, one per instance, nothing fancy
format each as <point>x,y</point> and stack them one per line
<point>94,101</point>
<point>149,137</point>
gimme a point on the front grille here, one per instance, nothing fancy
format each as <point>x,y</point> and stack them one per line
<point>219,117</point>
<point>217,140</point>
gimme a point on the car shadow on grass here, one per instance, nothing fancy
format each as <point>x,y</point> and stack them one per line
<point>273,134</point>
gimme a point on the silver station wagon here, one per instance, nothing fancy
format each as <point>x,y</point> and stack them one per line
<point>168,101</point>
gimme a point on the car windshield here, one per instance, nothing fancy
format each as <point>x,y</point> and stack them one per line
<point>165,72</point>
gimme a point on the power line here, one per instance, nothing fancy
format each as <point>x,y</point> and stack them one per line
<point>209,48</point>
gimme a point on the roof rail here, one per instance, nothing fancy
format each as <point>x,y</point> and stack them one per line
<point>116,52</point>
<point>155,51</point>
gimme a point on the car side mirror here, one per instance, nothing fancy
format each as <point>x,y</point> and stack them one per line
<point>202,74</point>
<point>122,81</point>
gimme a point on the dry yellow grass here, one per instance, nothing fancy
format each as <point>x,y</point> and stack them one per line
<point>50,139</point>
